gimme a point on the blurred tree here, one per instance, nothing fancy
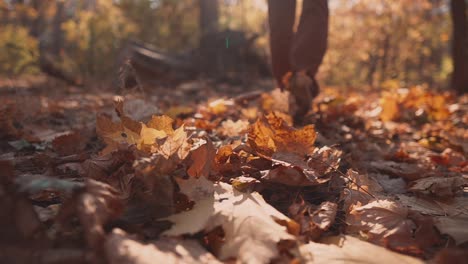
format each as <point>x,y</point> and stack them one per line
<point>209,16</point>
<point>460,45</point>
<point>387,43</point>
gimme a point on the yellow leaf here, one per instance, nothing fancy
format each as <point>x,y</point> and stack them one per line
<point>162,122</point>
<point>148,135</point>
<point>389,104</point>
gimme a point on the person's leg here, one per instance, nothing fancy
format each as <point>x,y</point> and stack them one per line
<point>281,15</point>
<point>307,51</point>
<point>310,41</point>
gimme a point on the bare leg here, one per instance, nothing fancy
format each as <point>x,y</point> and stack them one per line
<point>281,15</point>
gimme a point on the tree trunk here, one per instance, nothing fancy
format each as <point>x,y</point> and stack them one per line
<point>459,48</point>
<point>57,37</point>
<point>209,14</point>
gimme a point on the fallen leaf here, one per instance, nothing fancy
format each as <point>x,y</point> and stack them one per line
<point>458,206</point>
<point>121,248</point>
<point>294,148</point>
<point>271,135</point>
<point>454,227</point>
<point>388,223</point>
<point>68,144</point>
<point>450,255</point>
<point>230,128</point>
<point>348,249</point>
<point>390,108</point>
<point>408,171</point>
<point>202,158</point>
<point>314,222</point>
<point>114,134</point>
<point>175,144</point>
<point>251,232</point>
<point>148,136</point>
<point>161,123</point>
<point>439,186</point>
<point>95,205</point>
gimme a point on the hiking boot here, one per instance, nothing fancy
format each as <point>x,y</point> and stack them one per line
<point>303,89</point>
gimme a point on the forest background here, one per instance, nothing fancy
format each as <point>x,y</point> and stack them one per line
<point>372,43</point>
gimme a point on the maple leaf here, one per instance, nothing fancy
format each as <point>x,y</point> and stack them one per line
<point>439,186</point>
<point>292,148</point>
<point>121,248</point>
<point>201,158</point>
<point>95,205</point>
<point>114,134</point>
<point>251,232</point>
<point>68,144</point>
<point>175,144</point>
<point>271,135</point>
<point>230,128</point>
<point>408,171</point>
<point>348,249</point>
<point>314,222</point>
<point>454,227</point>
<point>391,224</point>
<point>161,123</point>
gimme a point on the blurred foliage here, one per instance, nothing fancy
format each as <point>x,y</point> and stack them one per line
<point>377,43</point>
<point>170,25</point>
<point>388,42</point>
<point>94,36</point>
<point>18,51</point>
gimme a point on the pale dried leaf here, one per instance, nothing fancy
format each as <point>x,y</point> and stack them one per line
<point>457,206</point>
<point>439,186</point>
<point>230,128</point>
<point>388,223</point>
<point>162,123</point>
<point>456,227</point>
<point>121,248</point>
<point>251,233</point>
<point>347,249</point>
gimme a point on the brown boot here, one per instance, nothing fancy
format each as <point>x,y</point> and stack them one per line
<point>303,89</point>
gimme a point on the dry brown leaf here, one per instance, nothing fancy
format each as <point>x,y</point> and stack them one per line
<point>450,255</point>
<point>390,224</point>
<point>314,222</point>
<point>148,136</point>
<point>96,205</point>
<point>276,100</point>
<point>176,145</point>
<point>251,232</point>
<point>114,134</point>
<point>348,249</point>
<point>271,135</point>
<point>408,171</point>
<point>439,186</point>
<point>456,227</point>
<point>18,219</point>
<point>161,123</point>
<point>101,168</point>
<point>294,148</point>
<point>202,158</point>
<point>287,176</point>
<point>121,248</point>
<point>390,109</point>
<point>457,206</point>
<point>69,144</point>
<point>230,128</point>
<point>361,189</point>
<point>227,162</point>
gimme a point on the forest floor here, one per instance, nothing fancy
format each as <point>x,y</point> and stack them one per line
<point>208,173</point>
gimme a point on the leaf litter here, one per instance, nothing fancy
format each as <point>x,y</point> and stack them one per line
<point>134,180</point>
